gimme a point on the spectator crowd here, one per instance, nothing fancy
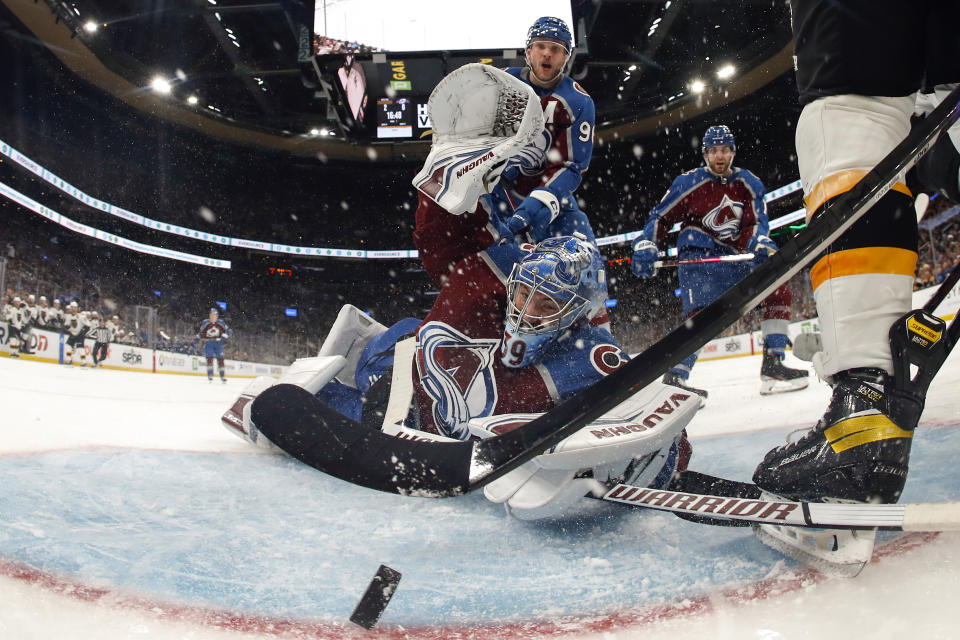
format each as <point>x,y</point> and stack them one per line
<point>323,45</point>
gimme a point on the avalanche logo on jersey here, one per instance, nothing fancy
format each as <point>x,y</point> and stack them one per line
<point>724,219</point>
<point>457,372</point>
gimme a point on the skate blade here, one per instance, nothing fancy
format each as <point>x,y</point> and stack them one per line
<point>834,552</point>
<point>770,386</point>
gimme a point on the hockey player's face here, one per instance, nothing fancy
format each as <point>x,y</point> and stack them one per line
<point>546,58</point>
<point>719,158</point>
<point>539,309</point>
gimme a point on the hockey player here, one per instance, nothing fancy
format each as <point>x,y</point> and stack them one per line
<point>114,324</point>
<point>31,313</point>
<point>55,316</point>
<point>857,102</point>
<point>213,331</point>
<point>536,192</point>
<point>43,313</point>
<point>77,329</point>
<point>15,317</point>
<point>515,329</point>
<point>721,212</point>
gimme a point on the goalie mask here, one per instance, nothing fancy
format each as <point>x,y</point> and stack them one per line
<point>560,284</point>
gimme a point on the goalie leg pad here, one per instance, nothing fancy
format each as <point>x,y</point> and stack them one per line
<point>349,334</point>
<point>551,493</point>
<point>637,437</point>
<point>309,373</point>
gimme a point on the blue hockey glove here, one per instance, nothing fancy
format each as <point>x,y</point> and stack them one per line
<point>536,212</point>
<point>762,248</point>
<point>645,254</point>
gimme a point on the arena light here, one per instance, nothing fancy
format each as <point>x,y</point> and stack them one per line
<point>726,71</point>
<point>160,85</point>
<point>90,26</point>
<point>193,100</point>
<point>697,86</point>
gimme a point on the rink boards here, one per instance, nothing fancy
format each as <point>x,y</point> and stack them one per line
<point>748,344</point>
<point>49,346</point>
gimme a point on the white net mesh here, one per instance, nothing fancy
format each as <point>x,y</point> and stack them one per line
<point>511,106</point>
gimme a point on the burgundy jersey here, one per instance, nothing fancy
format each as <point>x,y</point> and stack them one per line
<point>730,210</point>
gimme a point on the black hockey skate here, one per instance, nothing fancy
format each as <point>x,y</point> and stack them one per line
<point>775,377</point>
<point>858,451</point>
<point>674,380</point>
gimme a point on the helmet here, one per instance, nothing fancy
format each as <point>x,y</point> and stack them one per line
<point>718,134</point>
<point>561,282</point>
<point>554,28</point>
<point>215,310</point>
<point>17,299</point>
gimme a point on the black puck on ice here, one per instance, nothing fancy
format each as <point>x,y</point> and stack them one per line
<point>376,598</point>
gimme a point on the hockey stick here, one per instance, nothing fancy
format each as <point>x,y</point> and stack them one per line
<point>303,427</point>
<point>738,257</point>
<point>939,516</point>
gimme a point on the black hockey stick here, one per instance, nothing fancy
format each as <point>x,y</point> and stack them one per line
<point>303,427</point>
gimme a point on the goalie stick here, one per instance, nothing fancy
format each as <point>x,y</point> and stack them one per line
<point>299,424</point>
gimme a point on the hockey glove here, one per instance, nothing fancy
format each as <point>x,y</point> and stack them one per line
<point>530,160</point>
<point>645,255</point>
<point>536,212</point>
<point>762,248</point>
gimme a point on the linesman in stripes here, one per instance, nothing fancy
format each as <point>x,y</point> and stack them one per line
<point>102,337</point>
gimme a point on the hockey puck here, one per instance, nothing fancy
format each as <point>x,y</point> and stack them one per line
<point>376,598</point>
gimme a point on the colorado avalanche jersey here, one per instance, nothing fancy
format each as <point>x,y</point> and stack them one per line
<point>458,372</point>
<point>569,115</point>
<point>729,210</point>
<point>213,330</point>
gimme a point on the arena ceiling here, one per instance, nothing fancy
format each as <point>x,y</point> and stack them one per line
<point>236,70</point>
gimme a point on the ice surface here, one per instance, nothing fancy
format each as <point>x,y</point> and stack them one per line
<point>127,511</point>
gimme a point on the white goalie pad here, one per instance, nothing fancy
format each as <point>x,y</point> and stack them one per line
<point>646,422</point>
<point>348,336</point>
<point>309,373</point>
<point>481,117</point>
<point>640,430</point>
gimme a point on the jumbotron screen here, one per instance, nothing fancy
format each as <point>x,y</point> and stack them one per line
<point>362,26</point>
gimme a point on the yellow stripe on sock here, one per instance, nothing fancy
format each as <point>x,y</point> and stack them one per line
<point>837,183</point>
<point>851,262</point>
<point>854,432</point>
